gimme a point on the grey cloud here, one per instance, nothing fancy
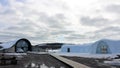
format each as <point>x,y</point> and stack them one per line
<point>110,29</point>
<point>21,27</point>
<point>25,27</point>
<point>31,35</point>
<point>55,4</point>
<point>57,21</point>
<point>26,30</point>
<point>28,23</point>
<point>115,8</point>
<point>7,11</point>
<point>8,35</point>
<point>62,32</point>
<point>98,21</point>
<point>76,37</point>
<point>107,32</point>
<point>3,26</point>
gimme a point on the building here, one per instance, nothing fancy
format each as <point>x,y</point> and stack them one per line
<point>45,47</point>
<point>104,46</point>
<point>20,45</point>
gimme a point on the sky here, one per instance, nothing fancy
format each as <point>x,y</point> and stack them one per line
<point>66,21</point>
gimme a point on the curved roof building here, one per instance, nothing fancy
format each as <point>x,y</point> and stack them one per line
<point>20,45</point>
<point>99,47</point>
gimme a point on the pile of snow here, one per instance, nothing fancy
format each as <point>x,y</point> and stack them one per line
<point>113,62</point>
<point>88,55</point>
<point>38,52</point>
<point>15,54</point>
<point>54,51</point>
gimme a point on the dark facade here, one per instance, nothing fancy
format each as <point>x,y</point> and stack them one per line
<point>23,45</point>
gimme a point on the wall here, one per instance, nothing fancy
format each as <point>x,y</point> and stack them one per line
<point>76,49</point>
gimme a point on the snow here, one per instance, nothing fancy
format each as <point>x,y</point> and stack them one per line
<point>17,54</point>
<point>55,50</point>
<point>113,62</point>
<point>113,47</point>
<point>38,52</point>
<point>76,48</point>
<point>8,44</point>
<point>87,55</point>
<point>34,65</point>
<point>90,50</point>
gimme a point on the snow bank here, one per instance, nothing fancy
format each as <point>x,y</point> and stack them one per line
<point>88,55</point>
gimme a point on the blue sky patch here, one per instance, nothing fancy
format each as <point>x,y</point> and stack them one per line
<point>4,2</point>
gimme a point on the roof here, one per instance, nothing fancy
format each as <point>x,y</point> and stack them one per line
<point>9,44</point>
<point>114,45</point>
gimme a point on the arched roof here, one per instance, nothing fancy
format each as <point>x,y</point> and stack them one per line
<point>114,46</point>
<point>9,44</point>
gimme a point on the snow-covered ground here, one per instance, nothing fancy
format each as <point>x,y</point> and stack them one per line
<point>88,55</point>
<point>54,51</point>
<point>33,65</point>
<point>38,52</point>
<point>113,62</point>
<point>15,54</point>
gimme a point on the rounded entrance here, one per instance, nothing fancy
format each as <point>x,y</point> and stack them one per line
<point>102,48</point>
<point>23,45</point>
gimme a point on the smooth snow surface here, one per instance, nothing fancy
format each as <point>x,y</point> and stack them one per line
<point>8,44</point>
<point>87,55</point>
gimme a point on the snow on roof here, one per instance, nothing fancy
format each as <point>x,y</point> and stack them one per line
<point>87,55</point>
<point>8,44</point>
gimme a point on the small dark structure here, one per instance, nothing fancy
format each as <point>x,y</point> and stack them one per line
<point>47,46</point>
<point>50,45</point>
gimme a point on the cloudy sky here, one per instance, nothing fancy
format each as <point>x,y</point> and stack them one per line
<point>69,21</point>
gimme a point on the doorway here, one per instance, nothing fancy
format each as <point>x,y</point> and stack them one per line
<point>68,49</point>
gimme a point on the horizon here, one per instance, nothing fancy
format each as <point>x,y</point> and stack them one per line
<point>61,42</point>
